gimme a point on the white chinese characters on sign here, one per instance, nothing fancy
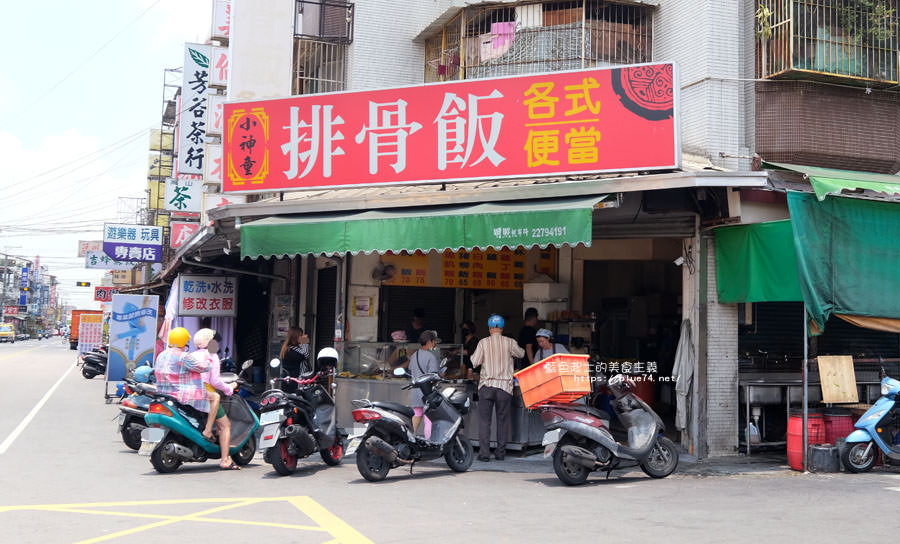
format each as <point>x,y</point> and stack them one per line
<point>387,132</point>
<point>457,135</point>
<point>206,295</point>
<point>182,231</point>
<point>306,140</point>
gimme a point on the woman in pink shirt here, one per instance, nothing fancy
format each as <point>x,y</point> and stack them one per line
<point>202,340</point>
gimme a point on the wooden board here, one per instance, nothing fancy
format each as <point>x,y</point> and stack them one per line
<point>838,379</point>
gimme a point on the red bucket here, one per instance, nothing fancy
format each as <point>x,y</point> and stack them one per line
<point>815,429</point>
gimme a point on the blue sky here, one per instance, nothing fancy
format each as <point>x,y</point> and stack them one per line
<point>82,83</point>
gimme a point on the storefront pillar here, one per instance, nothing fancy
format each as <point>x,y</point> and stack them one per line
<point>717,376</point>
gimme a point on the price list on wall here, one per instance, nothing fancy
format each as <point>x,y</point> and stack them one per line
<point>488,269</point>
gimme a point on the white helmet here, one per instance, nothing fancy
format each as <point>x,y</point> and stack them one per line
<point>327,357</point>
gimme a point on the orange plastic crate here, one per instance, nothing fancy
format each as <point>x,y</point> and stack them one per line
<point>562,377</point>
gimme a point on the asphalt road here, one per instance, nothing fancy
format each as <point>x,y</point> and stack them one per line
<point>67,477</point>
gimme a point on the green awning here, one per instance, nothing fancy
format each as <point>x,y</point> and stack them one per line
<point>827,181</point>
<point>848,256</point>
<point>757,263</point>
<point>488,225</point>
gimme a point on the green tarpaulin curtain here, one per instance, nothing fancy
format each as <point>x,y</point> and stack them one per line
<point>757,263</point>
<point>848,256</point>
<point>520,223</point>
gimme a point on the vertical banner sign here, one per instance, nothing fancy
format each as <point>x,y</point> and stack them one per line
<point>183,194</point>
<point>123,242</point>
<point>90,333</point>
<point>215,114</point>
<point>599,120</point>
<point>207,296</point>
<point>218,68</point>
<point>221,22</point>
<point>192,126</point>
<point>181,232</point>
<point>132,334</point>
<point>213,169</point>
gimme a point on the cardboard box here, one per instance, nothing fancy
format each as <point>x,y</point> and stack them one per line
<point>545,292</point>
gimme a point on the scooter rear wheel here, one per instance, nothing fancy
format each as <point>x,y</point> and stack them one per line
<point>131,433</point>
<point>246,453</point>
<point>162,461</point>
<point>371,466</point>
<point>663,459</point>
<point>283,462</point>
<point>855,459</point>
<point>88,373</point>
<point>568,472</point>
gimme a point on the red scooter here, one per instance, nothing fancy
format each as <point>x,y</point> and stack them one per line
<point>579,438</point>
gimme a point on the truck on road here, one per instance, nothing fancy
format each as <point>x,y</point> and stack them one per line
<point>76,320</point>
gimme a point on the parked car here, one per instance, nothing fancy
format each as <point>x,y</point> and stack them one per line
<point>7,333</point>
<point>23,336</point>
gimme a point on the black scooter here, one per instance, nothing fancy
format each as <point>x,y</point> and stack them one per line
<point>296,425</point>
<point>93,363</point>
<point>388,440</point>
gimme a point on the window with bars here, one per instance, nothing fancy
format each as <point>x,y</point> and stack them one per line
<point>530,37</point>
<point>330,20</point>
<point>849,40</point>
<point>319,66</point>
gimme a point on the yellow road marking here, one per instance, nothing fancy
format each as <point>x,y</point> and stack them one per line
<point>19,352</point>
<point>325,520</point>
<point>166,522</point>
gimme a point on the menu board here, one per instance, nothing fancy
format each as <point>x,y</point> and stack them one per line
<point>408,270</point>
<point>488,269</point>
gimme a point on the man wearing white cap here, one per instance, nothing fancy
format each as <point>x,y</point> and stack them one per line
<point>545,347</point>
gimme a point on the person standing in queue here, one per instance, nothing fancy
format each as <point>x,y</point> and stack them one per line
<point>495,355</point>
<point>420,363</point>
<point>527,340</point>
<point>294,357</point>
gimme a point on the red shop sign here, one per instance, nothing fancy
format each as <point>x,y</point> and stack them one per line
<point>560,123</point>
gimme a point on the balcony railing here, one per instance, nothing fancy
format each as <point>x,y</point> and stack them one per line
<point>850,41</point>
<point>330,20</point>
<point>529,37</point>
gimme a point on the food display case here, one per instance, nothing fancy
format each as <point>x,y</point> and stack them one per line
<point>366,371</point>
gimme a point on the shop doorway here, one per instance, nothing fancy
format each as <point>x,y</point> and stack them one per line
<point>326,298</point>
<point>638,318</point>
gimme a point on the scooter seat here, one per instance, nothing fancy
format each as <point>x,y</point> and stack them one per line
<point>394,407</point>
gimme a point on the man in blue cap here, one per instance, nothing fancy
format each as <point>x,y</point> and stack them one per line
<point>495,355</point>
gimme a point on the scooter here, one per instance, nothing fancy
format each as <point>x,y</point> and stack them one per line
<point>876,430</point>
<point>579,438</point>
<point>174,434</point>
<point>388,440</point>
<point>93,363</point>
<point>296,425</point>
<point>139,393</point>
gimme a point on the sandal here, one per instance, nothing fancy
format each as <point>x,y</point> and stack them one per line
<point>232,466</point>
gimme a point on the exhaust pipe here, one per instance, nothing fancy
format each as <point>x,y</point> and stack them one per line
<point>580,456</point>
<point>301,437</point>
<point>179,451</point>
<point>381,448</point>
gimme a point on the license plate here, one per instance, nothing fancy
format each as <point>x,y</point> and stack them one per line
<point>268,436</point>
<point>551,438</point>
<point>267,418</point>
<point>353,445</point>
<point>150,437</point>
<point>121,419</point>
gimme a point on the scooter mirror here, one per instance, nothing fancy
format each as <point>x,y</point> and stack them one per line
<point>399,372</point>
<point>275,363</point>
<point>247,364</point>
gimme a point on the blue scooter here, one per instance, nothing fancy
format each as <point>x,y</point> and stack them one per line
<point>874,431</point>
<point>174,433</point>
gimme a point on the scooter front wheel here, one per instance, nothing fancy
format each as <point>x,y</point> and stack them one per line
<point>333,455</point>
<point>88,373</point>
<point>663,459</point>
<point>371,466</point>
<point>855,459</point>
<point>246,453</point>
<point>460,455</point>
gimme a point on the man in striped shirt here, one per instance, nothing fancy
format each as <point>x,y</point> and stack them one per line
<point>494,355</point>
